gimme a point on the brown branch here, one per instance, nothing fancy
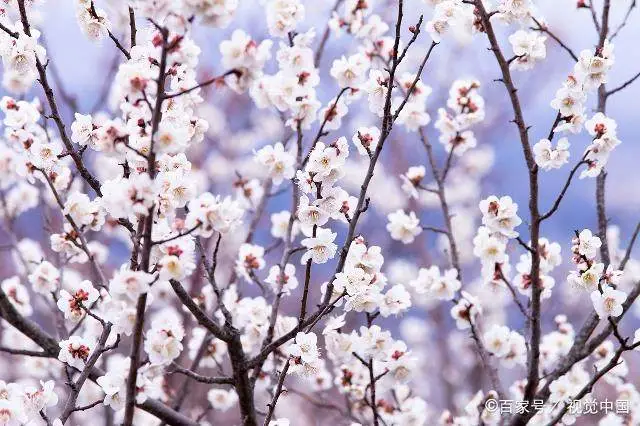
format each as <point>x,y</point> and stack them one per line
<point>563,192</point>
<point>179,235</point>
<point>545,29</point>
<point>615,33</point>
<point>435,230</point>
<point>202,379</point>
<point>372,390</point>
<point>76,386</point>
<point>132,27</point>
<point>321,132</point>
<point>444,205</point>
<point>414,83</point>
<point>439,177</point>
<point>580,349</point>
<point>627,254</point>
<point>55,115</point>
<point>325,37</point>
<point>602,217</point>
<point>181,395</point>
<point>83,244</point>
<point>201,316</point>
<point>415,30</point>
<point>13,34</point>
<point>277,393</point>
<point>88,406</point>
<point>94,14</point>
<point>533,359</point>
<point>594,18</point>
<point>24,352</point>
<point>512,290</point>
<point>208,82</point>
<point>147,243</point>
<point>623,85</point>
<point>307,281</point>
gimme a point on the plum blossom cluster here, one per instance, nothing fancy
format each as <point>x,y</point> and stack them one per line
<point>528,48</point>
<point>321,200</point>
<point>589,73</point>
<point>592,276</point>
<point>20,57</point>
<point>466,108</point>
<point>452,17</point>
<point>603,131</point>
<point>22,404</point>
<point>211,247</point>
<point>362,283</point>
<point>92,20</point>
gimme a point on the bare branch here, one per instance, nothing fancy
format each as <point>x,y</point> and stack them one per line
<point>563,192</point>
<point>276,394</point>
<point>615,33</point>
<point>325,37</point>
<point>533,359</point>
<point>24,352</point>
<point>55,115</point>
<point>623,85</point>
<point>214,80</point>
<point>543,28</point>
<point>627,254</point>
<point>200,378</point>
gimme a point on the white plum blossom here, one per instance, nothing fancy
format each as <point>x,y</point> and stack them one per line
<point>451,16</point>
<point>497,340</point>
<point>547,157</point>
<point>130,284</point>
<point>514,10</point>
<point>587,279</point>
<point>528,47</point>
<point>433,284</point>
<point>412,180</point>
<point>569,101</point>
<point>45,278</point>
<point>73,305</point>
<point>282,281</point>
<point>320,248</point>
<point>280,224</point>
<point>396,300</point>
<point>163,342</point>
<point>366,139</point>
<point>214,214</point>
<point>93,20</point>
<point>466,311</point>
<point>404,227</point>
<point>500,215</point>
<point>222,400</point>
<point>277,161</point>
<point>350,72</point>
<point>250,259</point>
<point>18,295</point>
<point>304,354</point>
<point>39,398</point>
<point>283,15</point>
<point>609,302</point>
<point>75,351</point>
<point>586,244</point>
<point>246,57</point>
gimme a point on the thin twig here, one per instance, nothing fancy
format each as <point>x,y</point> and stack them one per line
<point>545,29</point>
